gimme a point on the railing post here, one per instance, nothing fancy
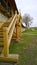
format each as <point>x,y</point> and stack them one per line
<point>6,48</point>
<point>17,30</point>
<point>20,25</point>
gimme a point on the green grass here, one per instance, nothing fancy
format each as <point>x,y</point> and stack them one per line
<point>31,31</point>
<point>26,48</point>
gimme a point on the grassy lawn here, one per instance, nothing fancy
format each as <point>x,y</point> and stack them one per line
<point>26,48</point>
<point>31,31</point>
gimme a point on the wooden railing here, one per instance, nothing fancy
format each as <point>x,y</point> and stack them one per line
<point>8,32</point>
<point>18,29</point>
<point>7,29</point>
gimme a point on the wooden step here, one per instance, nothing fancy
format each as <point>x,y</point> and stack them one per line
<point>1,44</point>
<point>10,58</point>
<point>1,49</point>
<point>1,39</point>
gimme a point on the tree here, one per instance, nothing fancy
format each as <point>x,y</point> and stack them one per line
<point>27,19</point>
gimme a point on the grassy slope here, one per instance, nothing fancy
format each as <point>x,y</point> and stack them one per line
<point>31,31</point>
<point>26,48</point>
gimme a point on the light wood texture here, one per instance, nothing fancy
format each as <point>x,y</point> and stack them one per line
<point>10,58</point>
<point>12,22</point>
<point>6,49</point>
<point>11,32</point>
<point>1,24</point>
<point>7,30</point>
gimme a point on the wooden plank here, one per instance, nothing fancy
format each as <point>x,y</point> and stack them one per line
<point>1,40</point>
<point>10,58</point>
<point>6,24</point>
<point>1,30</point>
<point>1,34</point>
<point>20,27</point>
<point>1,24</point>
<point>1,49</point>
<point>11,22</point>
<point>11,32</point>
<point>17,31</point>
<point>6,48</point>
<point>1,44</point>
<point>4,11</point>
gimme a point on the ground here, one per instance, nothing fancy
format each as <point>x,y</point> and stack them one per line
<point>26,48</point>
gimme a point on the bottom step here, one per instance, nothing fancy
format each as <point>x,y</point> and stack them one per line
<point>10,58</point>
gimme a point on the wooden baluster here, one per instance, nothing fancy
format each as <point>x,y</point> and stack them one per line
<point>6,48</point>
<point>20,26</point>
<point>17,30</point>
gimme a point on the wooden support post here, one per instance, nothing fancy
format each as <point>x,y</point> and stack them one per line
<point>17,31</point>
<point>20,27</point>
<point>6,48</point>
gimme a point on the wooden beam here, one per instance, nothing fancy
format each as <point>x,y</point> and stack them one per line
<point>4,11</point>
<point>1,44</point>
<point>6,48</point>
<point>6,24</point>
<point>17,31</point>
<point>1,24</point>
<point>12,22</point>
<point>11,32</point>
<point>10,58</point>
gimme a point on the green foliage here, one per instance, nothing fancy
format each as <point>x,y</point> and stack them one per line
<point>31,31</point>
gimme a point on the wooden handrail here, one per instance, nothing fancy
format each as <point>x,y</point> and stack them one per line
<point>12,22</point>
<point>7,33</point>
<point>11,32</point>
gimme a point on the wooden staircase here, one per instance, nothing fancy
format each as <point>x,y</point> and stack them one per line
<point>7,30</point>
